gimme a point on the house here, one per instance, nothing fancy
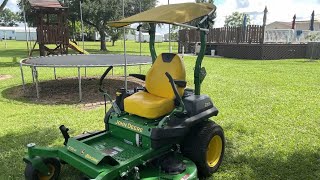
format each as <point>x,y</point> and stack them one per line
<point>18,33</point>
<point>7,33</point>
<point>21,35</point>
<point>300,25</point>
<point>145,37</point>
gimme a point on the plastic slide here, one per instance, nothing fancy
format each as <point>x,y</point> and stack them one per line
<point>75,47</point>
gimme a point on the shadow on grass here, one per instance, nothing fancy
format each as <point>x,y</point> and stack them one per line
<point>9,64</point>
<point>13,149</point>
<point>14,53</point>
<point>298,165</point>
<point>66,91</point>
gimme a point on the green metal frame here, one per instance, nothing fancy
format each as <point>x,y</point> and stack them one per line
<point>197,71</point>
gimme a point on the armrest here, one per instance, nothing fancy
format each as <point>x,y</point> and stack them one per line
<point>139,76</point>
<point>181,83</point>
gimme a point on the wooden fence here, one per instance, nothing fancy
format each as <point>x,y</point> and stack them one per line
<point>234,35</point>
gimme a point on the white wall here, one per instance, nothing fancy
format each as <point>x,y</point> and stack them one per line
<point>8,34</point>
<point>145,37</point>
<point>290,36</point>
<point>159,38</point>
<point>21,36</point>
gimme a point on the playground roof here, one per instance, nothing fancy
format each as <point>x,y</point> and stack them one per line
<point>169,14</point>
<point>45,3</point>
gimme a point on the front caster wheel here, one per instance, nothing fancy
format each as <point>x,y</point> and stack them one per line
<point>54,166</point>
<point>205,145</point>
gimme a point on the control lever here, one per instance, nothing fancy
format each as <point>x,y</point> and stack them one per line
<point>106,95</point>
<point>178,110</point>
<point>175,91</point>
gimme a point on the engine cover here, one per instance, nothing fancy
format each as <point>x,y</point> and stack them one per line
<point>196,104</point>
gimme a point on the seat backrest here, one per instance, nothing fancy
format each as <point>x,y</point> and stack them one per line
<point>157,83</point>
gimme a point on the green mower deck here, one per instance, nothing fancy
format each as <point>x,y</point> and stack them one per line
<point>105,157</point>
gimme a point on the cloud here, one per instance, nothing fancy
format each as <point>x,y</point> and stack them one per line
<point>242,3</point>
<point>12,5</point>
<point>277,10</point>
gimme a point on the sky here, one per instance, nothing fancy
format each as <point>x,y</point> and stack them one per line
<point>278,10</point>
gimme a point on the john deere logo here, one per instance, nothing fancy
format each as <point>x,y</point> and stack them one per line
<point>129,126</point>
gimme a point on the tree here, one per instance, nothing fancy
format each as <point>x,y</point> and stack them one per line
<point>97,13</point>
<point>114,33</point>
<point>8,18</point>
<point>3,4</point>
<point>236,19</point>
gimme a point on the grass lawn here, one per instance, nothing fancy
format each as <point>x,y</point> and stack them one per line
<point>270,112</point>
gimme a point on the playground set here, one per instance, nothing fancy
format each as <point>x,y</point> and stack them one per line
<point>52,28</point>
<point>160,131</point>
<point>52,31</point>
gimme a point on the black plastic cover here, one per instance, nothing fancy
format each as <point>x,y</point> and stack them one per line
<point>121,95</point>
<point>196,104</point>
<point>172,165</point>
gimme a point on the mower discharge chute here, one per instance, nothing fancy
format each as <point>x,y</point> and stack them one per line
<point>160,131</point>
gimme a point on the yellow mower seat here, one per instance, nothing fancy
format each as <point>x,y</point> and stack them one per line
<point>159,98</point>
<point>147,105</point>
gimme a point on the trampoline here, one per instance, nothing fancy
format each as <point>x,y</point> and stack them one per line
<point>79,61</point>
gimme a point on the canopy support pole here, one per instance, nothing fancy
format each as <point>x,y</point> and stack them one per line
<point>152,33</point>
<point>170,49</point>
<point>140,33</point>
<point>191,27</point>
<point>125,52</point>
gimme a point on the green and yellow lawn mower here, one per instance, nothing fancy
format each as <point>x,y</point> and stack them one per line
<point>160,131</point>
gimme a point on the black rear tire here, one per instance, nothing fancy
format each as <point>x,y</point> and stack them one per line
<point>205,145</point>
<point>54,166</point>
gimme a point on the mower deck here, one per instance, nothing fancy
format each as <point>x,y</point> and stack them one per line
<point>103,156</point>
